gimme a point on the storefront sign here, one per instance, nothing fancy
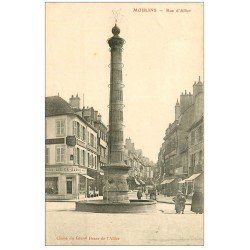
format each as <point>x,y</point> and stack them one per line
<point>66,170</point>
<point>71,141</point>
<point>54,141</point>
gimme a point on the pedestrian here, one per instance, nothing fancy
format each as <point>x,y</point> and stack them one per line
<point>139,194</point>
<point>180,202</point>
<point>146,193</point>
<point>197,205</point>
<point>184,190</point>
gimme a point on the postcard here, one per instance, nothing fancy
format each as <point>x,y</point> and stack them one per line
<point>124,121</point>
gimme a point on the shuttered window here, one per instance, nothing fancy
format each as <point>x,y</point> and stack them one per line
<point>60,154</point>
<point>60,127</point>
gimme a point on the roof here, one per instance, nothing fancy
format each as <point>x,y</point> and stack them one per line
<point>55,105</point>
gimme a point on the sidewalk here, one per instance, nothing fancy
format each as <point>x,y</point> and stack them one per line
<point>164,199</point>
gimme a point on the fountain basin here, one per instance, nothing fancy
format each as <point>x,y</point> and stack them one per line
<point>100,206</point>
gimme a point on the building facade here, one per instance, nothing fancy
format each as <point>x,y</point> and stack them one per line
<point>180,159</point>
<point>141,172</point>
<point>71,145</point>
<point>95,120</point>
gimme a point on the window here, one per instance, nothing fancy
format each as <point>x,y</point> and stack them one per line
<point>51,185</point>
<point>60,154</point>
<point>74,128</point>
<point>78,130</point>
<point>171,161</point>
<point>83,158</point>
<point>46,155</point>
<point>60,127</point>
<point>200,133</point>
<point>78,156</point>
<point>83,133</point>
<point>200,157</point>
<point>74,155</point>
<point>92,140</point>
<point>90,161</point>
<point>121,116</point>
<point>192,137</point>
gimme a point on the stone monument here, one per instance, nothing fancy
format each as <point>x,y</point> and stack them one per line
<point>115,197</point>
<point>115,173</point>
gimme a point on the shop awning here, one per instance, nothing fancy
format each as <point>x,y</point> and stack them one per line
<point>167,181</point>
<point>182,181</point>
<point>137,182</point>
<point>86,176</point>
<point>192,177</point>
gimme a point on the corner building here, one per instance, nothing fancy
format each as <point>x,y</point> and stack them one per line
<point>70,150</point>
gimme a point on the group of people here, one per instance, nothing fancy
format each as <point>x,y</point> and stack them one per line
<point>196,206</point>
<point>148,192</point>
<point>179,200</point>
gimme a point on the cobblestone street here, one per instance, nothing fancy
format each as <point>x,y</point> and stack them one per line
<point>68,227</point>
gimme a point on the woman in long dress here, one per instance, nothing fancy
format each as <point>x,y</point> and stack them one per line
<point>197,202</point>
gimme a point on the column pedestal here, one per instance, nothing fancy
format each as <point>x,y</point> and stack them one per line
<point>115,187</point>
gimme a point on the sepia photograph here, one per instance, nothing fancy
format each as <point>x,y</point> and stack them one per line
<point>124,124</point>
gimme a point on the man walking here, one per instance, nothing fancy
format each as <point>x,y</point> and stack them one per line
<point>180,202</point>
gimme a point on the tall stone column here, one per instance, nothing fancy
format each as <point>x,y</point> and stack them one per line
<point>115,173</point>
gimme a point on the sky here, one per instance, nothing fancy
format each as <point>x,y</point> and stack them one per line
<point>162,57</point>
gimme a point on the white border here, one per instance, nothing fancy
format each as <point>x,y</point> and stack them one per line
<point>227,125</point>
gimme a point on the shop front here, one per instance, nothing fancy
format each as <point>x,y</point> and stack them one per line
<point>65,182</point>
<point>192,183</point>
<point>167,187</point>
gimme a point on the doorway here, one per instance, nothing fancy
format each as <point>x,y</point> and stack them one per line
<point>69,185</point>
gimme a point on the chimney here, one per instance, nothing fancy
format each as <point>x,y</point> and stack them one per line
<point>95,115</point>
<point>177,110</point>
<point>186,100</point>
<point>74,102</point>
<point>87,114</point>
<point>197,87</point>
<point>99,117</point>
